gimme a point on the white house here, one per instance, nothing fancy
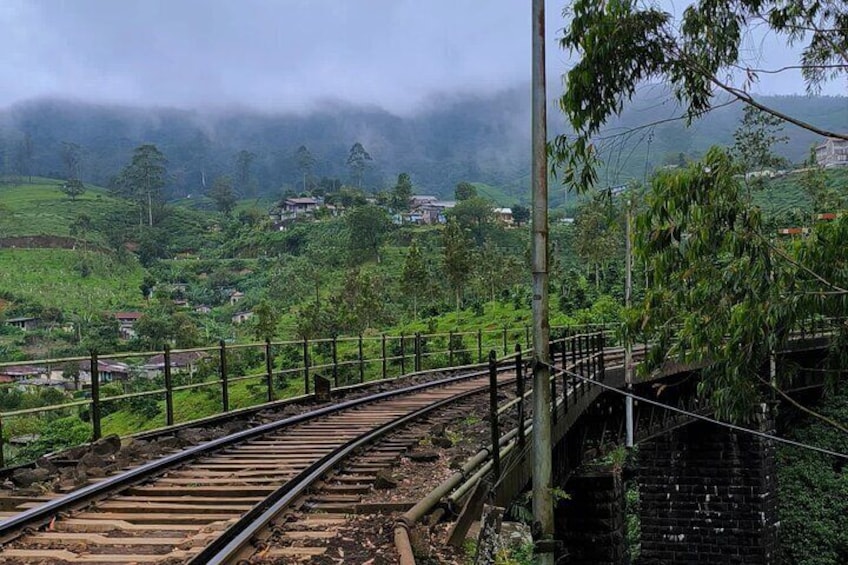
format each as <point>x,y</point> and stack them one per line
<point>832,153</point>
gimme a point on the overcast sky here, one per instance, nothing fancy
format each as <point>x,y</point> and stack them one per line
<point>283,55</point>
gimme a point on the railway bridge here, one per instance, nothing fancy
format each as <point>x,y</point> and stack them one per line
<point>279,486</point>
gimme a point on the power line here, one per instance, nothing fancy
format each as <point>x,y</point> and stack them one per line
<point>697,416</point>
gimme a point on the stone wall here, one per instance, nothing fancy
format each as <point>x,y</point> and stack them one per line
<point>591,522</point>
<point>708,495</point>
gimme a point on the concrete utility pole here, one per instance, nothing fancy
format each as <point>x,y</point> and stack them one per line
<point>628,344</point>
<point>543,510</point>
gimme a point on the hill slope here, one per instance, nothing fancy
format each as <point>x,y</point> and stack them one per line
<point>476,138</point>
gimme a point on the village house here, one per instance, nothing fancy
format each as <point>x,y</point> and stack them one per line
<point>832,153</point>
<point>236,297</point>
<point>24,323</point>
<point>14,373</point>
<point>504,215</point>
<point>202,309</point>
<point>241,317</point>
<point>434,212</point>
<point>185,362</point>
<point>126,321</point>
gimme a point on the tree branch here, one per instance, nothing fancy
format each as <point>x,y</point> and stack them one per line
<point>803,408</point>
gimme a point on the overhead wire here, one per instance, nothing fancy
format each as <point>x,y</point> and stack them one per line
<point>701,417</point>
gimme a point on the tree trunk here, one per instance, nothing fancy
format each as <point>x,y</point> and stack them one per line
<point>458,299</point>
<point>150,208</point>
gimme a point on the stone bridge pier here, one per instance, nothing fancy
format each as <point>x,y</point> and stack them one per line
<point>707,495</point>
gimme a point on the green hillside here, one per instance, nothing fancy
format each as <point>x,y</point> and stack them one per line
<point>54,278</point>
<point>39,208</point>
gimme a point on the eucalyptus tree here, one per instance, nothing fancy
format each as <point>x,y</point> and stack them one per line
<point>305,162</point>
<point>621,44</point>
<point>722,290</point>
<point>357,159</point>
<point>143,179</point>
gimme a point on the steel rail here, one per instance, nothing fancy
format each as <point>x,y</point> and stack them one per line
<point>13,526</point>
<point>231,542</point>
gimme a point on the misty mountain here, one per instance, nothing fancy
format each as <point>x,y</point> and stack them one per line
<point>453,138</point>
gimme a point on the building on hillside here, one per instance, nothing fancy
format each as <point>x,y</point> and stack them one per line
<point>236,297</point>
<point>504,215</point>
<point>24,323</point>
<point>108,370</point>
<point>832,153</point>
<point>16,373</point>
<point>185,362</point>
<point>419,200</point>
<point>202,309</point>
<point>434,212</point>
<point>126,321</point>
<point>241,317</point>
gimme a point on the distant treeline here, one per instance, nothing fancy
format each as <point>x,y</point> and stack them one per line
<point>483,139</point>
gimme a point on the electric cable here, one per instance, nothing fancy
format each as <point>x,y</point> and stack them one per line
<point>701,417</point>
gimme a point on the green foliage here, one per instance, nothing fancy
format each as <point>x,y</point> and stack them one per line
<point>622,44</point>
<point>143,179</point>
<point>401,193</point>
<point>61,433</point>
<point>720,290</point>
<point>222,194</point>
<point>464,191</point>
<point>813,491</point>
<point>754,139</point>
<point>456,258</point>
<point>357,159</point>
<point>73,188</point>
<point>415,278</point>
<point>475,215</point>
<point>367,229</point>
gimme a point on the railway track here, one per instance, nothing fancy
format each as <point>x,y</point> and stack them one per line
<point>208,502</point>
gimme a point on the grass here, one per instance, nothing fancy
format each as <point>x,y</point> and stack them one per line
<point>51,277</point>
<point>39,208</point>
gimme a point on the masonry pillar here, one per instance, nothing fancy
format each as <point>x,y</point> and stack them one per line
<point>708,495</point>
<point>591,522</point>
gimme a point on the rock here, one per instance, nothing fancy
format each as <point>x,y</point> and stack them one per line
<point>385,481</point>
<point>90,461</point>
<point>106,446</point>
<point>192,436</point>
<point>24,478</point>
<point>171,442</point>
<point>438,430</point>
<point>443,442</point>
<point>45,463</point>
<point>96,471</point>
<point>515,534</point>
<point>423,456</point>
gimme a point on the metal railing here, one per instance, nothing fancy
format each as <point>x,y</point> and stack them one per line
<point>274,369</point>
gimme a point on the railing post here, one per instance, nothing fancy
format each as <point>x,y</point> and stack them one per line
<point>493,415</point>
<point>169,387</point>
<point>563,350</point>
<point>601,360</point>
<point>335,363</point>
<point>383,346</point>
<point>225,389</point>
<point>361,362</point>
<point>450,348</point>
<point>306,365</point>
<point>402,354</point>
<point>554,400</point>
<point>417,351</point>
<point>269,369</point>
<point>519,392</point>
<point>2,458</point>
<point>479,345</point>
<point>95,397</point>
<point>506,352</point>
